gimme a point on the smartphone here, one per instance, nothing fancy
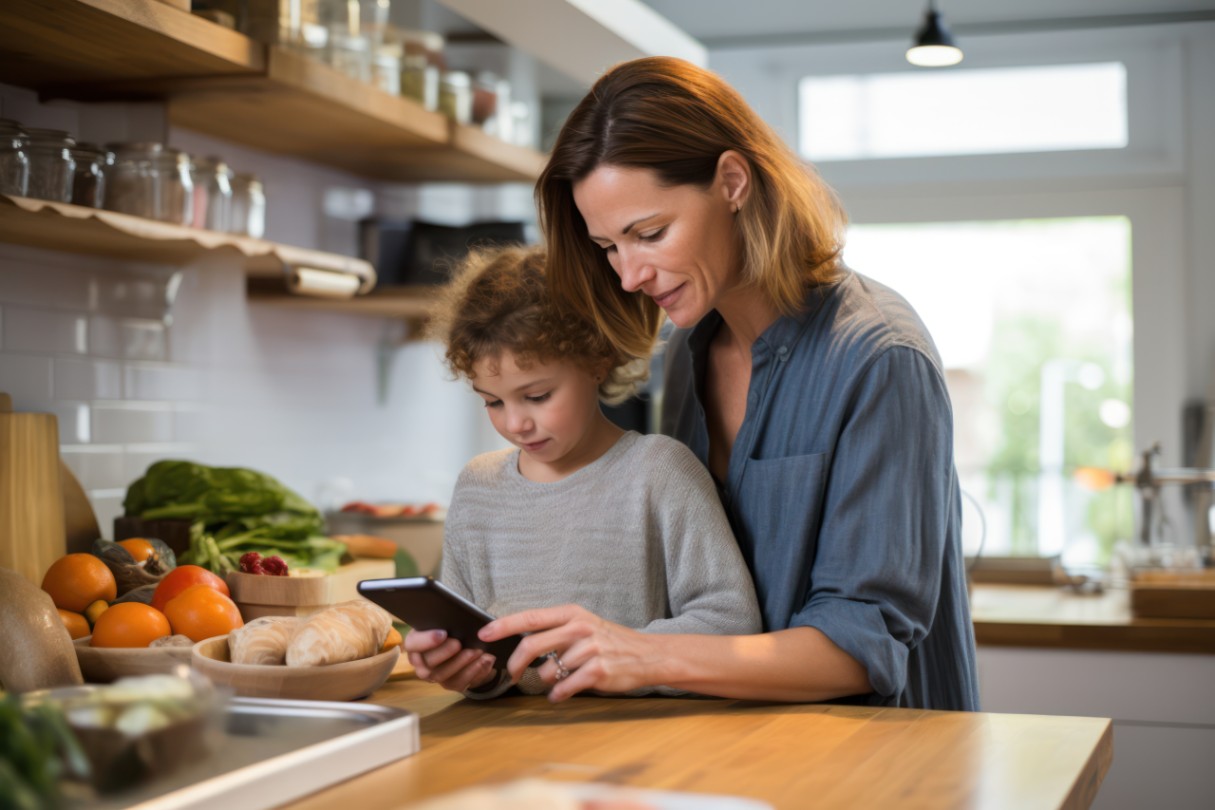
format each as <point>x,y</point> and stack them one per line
<point>424,603</point>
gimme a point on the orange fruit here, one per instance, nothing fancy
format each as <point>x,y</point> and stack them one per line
<point>138,548</point>
<point>182,577</point>
<point>77,580</point>
<point>77,626</point>
<point>129,624</point>
<point>202,612</point>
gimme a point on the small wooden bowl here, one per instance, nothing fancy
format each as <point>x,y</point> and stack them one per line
<point>106,664</point>
<point>346,681</point>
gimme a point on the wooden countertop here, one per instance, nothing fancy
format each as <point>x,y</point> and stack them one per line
<point>1041,616</point>
<point>792,756</point>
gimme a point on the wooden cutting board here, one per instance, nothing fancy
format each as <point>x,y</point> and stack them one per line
<point>1173,594</point>
<point>259,595</point>
<point>32,532</point>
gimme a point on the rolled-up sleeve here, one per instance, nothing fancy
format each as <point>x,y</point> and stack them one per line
<point>886,500</point>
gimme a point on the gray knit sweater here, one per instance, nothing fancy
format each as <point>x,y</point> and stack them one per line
<point>638,537</point>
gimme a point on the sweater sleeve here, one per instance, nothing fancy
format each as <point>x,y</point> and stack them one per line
<point>708,583</point>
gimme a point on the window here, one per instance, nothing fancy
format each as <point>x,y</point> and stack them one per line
<point>963,112</point>
<point>1033,322</point>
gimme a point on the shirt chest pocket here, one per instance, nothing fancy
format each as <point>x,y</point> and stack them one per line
<point>780,506</point>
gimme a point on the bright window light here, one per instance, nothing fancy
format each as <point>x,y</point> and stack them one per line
<point>1033,322</point>
<point>963,112</point>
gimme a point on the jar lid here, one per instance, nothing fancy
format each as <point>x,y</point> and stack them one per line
<point>59,137</point>
<point>10,127</point>
<point>210,163</point>
<point>457,78</point>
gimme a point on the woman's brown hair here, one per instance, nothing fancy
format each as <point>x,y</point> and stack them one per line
<point>498,300</point>
<point>676,119</point>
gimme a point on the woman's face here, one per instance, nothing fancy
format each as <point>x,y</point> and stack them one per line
<point>676,244</point>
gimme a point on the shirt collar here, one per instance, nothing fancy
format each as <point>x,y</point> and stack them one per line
<point>783,332</point>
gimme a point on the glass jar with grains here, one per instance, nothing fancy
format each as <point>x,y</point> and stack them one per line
<point>150,180</point>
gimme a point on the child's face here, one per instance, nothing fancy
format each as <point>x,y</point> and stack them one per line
<point>550,411</point>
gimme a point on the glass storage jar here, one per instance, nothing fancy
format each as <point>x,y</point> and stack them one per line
<point>386,69</point>
<point>88,180</point>
<point>350,53</point>
<point>455,96</point>
<point>248,206</point>
<point>51,164</point>
<point>150,180</point>
<point>14,161</point>
<point>212,193</point>
<point>420,81</point>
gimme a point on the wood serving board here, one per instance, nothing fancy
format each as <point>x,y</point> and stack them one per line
<point>1173,594</point>
<point>294,591</point>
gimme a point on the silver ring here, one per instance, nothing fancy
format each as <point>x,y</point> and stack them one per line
<point>562,671</point>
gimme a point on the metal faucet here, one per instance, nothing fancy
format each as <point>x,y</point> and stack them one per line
<point>1148,480</point>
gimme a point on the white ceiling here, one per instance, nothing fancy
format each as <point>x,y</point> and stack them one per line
<point>719,23</point>
<point>740,23</point>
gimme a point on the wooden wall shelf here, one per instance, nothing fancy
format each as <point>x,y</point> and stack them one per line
<point>76,229</point>
<point>221,83</point>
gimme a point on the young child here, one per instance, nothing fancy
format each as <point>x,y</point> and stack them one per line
<point>578,511</point>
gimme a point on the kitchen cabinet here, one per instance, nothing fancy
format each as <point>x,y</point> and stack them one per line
<point>221,83</point>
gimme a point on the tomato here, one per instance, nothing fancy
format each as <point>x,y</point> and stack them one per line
<point>182,577</point>
<point>201,612</point>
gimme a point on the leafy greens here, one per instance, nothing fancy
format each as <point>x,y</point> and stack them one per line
<point>232,511</point>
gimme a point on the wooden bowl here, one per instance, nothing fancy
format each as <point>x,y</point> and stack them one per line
<point>105,664</point>
<point>346,681</point>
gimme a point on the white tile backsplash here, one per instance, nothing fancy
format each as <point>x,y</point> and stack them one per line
<point>132,422</point>
<point>44,331</point>
<point>162,381</point>
<point>27,378</point>
<point>77,378</point>
<point>95,466</point>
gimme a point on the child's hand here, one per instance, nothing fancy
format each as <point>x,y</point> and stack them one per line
<point>442,660</point>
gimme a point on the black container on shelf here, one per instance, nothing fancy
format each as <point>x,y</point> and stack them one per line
<point>417,252</point>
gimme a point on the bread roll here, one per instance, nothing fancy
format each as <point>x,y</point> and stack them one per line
<point>344,632</point>
<point>262,641</point>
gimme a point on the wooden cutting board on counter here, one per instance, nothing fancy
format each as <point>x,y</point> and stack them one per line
<point>1173,594</point>
<point>258,595</point>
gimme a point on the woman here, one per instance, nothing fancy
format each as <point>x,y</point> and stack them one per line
<point>814,396</point>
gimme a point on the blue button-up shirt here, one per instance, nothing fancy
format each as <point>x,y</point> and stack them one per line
<point>841,486</point>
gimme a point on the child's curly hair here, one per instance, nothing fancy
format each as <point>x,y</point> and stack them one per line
<point>498,301</point>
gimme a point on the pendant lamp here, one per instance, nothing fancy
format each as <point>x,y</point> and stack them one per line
<point>933,45</point>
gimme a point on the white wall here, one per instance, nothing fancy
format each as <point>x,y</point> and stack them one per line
<point>143,362</point>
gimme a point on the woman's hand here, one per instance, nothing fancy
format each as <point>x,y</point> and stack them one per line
<point>442,660</point>
<point>589,652</point>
